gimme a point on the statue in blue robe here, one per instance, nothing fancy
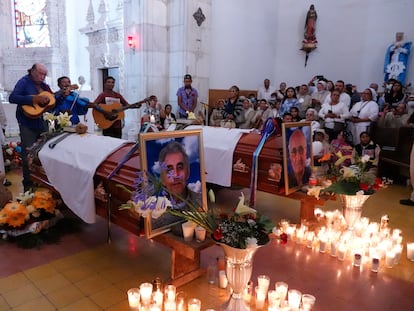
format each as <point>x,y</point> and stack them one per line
<point>396,59</point>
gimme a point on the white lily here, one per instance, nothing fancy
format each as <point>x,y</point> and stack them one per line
<point>162,204</point>
<point>242,209</point>
<point>25,197</point>
<point>365,158</point>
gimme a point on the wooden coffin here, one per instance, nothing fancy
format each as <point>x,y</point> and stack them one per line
<point>270,164</point>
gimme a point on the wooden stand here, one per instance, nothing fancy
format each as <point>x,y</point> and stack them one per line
<point>185,257</point>
<point>307,205</point>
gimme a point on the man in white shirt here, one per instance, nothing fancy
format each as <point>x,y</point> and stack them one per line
<point>265,91</point>
<point>344,97</point>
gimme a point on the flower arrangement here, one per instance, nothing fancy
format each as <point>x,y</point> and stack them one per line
<point>350,180</point>
<point>28,207</point>
<point>245,227</point>
<point>57,123</point>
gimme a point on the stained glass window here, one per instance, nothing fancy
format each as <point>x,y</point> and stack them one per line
<point>32,29</point>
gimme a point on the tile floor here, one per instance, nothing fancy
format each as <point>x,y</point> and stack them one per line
<point>83,272</point>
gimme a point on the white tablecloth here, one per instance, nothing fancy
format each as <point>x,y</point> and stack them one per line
<point>71,165</point>
<point>219,144</point>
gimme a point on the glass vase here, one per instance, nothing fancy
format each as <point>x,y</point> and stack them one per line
<point>352,208</point>
<point>239,267</point>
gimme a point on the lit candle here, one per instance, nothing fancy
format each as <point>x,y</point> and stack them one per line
<point>273,298</point>
<point>247,293</point>
<point>357,259</point>
<point>309,239</point>
<point>294,298</point>
<point>290,231</point>
<point>133,299</point>
<point>170,305</point>
<point>308,301</point>
<point>333,248</point>
<point>263,282</point>
<point>389,258</point>
<point>154,307</point>
<point>281,289</point>
<point>341,251</point>
<point>410,251</point>
<point>194,304</point>
<point>145,290</point>
<point>158,298</point>
<point>170,292</point>
<point>397,250</point>
<point>180,299</point>
<point>260,298</point>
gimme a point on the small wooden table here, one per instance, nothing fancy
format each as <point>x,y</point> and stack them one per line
<point>185,257</point>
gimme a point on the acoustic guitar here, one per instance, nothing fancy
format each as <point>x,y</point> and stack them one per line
<point>113,112</point>
<point>35,110</point>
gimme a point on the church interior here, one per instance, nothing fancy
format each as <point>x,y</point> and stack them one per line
<point>149,48</point>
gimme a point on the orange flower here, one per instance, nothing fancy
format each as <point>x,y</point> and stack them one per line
<point>14,208</point>
<point>17,219</point>
<point>325,157</point>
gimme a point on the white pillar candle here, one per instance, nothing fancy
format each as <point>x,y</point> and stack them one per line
<point>410,251</point>
<point>273,299</point>
<point>308,301</point>
<point>133,299</point>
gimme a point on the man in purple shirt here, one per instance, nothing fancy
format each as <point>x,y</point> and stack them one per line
<point>187,97</point>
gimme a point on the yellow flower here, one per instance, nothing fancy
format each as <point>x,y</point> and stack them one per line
<point>243,209</point>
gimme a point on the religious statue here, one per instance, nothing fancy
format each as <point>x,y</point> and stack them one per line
<point>310,23</point>
<point>309,42</point>
<point>396,59</point>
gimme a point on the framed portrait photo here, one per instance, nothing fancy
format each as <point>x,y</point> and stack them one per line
<point>297,155</point>
<point>175,158</point>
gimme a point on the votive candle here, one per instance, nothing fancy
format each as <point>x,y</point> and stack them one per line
<point>294,298</point>
<point>133,299</point>
<point>194,304</point>
<point>170,292</point>
<point>389,258</point>
<point>260,298</point>
<point>410,251</point>
<point>145,290</point>
<point>263,282</point>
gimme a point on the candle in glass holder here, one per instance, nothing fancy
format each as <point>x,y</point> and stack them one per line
<point>281,289</point>
<point>322,244</point>
<point>389,258</point>
<point>133,299</point>
<point>357,259</point>
<point>333,248</point>
<point>341,251</point>
<point>397,250</point>
<point>375,264</point>
<point>309,239</point>
<point>181,301</point>
<point>410,251</point>
<point>290,231</point>
<point>308,301</point>
<point>170,305</point>
<point>263,282</point>
<point>294,298</point>
<point>194,304</point>
<point>170,292</point>
<point>145,290</point>
<point>158,298</point>
<point>260,298</point>
<point>155,307</point>
<point>273,299</point>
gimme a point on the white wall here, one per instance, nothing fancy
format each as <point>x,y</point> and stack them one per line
<point>252,40</point>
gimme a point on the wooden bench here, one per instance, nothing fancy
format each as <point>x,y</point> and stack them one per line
<point>394,161</point>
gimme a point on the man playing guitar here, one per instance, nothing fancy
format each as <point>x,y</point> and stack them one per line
<point>109,96</point>
<point>26,93</point>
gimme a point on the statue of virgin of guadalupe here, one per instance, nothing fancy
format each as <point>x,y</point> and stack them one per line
<point>310,25</point>
<point>396,59</point>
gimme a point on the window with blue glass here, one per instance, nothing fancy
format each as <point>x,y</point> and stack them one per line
<point>32,29</point>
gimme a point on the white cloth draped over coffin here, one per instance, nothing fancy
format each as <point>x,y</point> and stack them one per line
<point>70,167</point>
<point>219,144</point>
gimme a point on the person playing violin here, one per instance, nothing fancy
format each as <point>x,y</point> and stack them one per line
<point>109,96</point>
<point>30,90</point>
<point>69,101</point>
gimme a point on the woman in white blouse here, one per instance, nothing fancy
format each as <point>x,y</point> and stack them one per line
<point>334,114</point>
<point>363,114</point>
